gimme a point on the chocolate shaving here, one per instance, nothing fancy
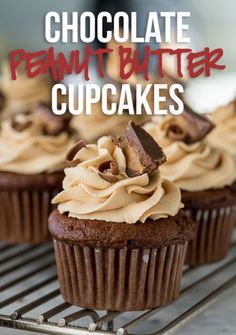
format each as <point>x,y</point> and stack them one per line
<point>188,127</point>
<point>109,170</point>
<point>143,154</point>
<point>73,151</point>
<point>53,124</point>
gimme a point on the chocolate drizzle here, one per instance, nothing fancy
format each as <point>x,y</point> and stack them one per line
<point>189,127</point>
<point>143,154</point>
<point>72,153</point>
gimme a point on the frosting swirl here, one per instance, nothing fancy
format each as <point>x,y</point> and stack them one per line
<point>21,94</point>
<point>157,128</point>
<point>224,135</point>
<point>30,151</point>
<point>193,167</point>
<point>87,195</point>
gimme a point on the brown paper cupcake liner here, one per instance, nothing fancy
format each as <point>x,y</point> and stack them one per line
<point>119,279</point>
<point>24,215</point>
<point>213,235</point>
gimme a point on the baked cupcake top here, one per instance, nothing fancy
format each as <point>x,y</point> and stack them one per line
<point>118,180</point>
<point>192,162</point>
<point>34,142</point>
<point>224,134</point>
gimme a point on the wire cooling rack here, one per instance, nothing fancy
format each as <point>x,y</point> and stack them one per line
<point>30,299</point>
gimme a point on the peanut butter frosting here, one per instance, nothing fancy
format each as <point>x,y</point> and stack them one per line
<point>29,150</point>
<point>89,195</point>
<point>157,128</point>
<point>192,167</point>
<point>224,135</point>
<point>21,94</point>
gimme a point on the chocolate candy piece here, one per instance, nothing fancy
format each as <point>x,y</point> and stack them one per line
<point>53,124</point>
<point>143,154</point>
<point>73,151</point>
<point>109,170</point>
<point>189,127</point>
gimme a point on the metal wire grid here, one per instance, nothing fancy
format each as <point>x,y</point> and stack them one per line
<point>30,298</point>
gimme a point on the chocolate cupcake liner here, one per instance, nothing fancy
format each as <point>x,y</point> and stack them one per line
<point>24,215</point>
<point>119,279</point>
<point>213,234</point>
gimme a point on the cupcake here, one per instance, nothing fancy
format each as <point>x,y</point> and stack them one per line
<point>119,235</point>
<point>206,177</point>
<point>32,149</point>
<point>224,134</point>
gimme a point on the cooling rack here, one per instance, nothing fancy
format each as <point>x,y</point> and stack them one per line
<point>30,299</point>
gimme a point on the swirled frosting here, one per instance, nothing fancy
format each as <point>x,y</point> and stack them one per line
<point>157,129</point>
<point>224,134</point>
<point>193,167</point>
<point>21,94</point>
<point>30,151</point>
<point>87,195</point>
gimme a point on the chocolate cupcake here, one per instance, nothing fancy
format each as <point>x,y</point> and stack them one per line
<point>32,150</point>
<point>119,235</point>
<point>206,177</point>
